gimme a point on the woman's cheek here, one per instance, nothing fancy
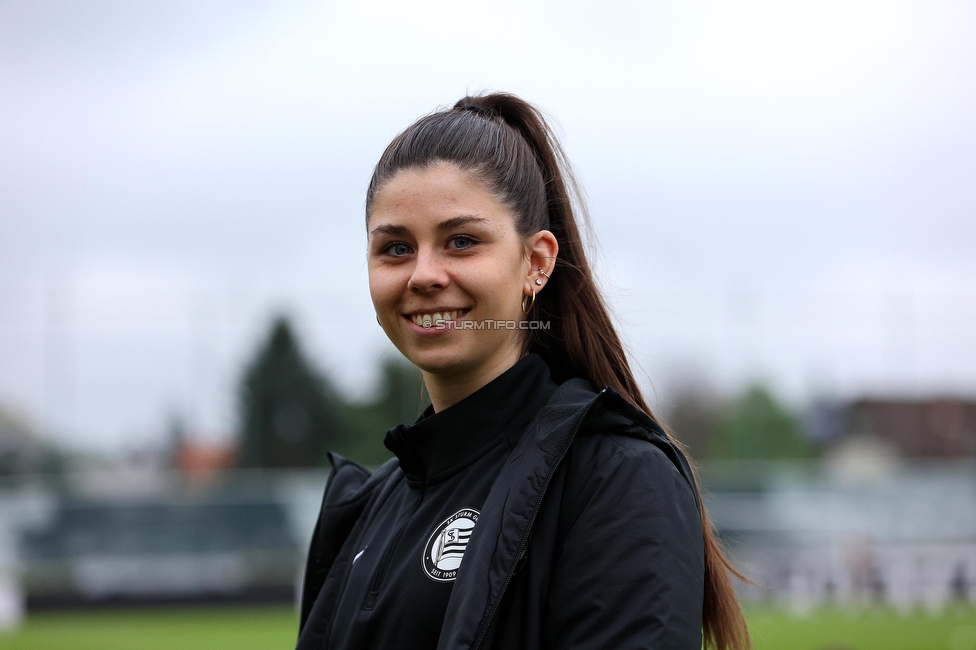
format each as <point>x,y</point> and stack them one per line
<point>383,297</point>
<point>382,286</point>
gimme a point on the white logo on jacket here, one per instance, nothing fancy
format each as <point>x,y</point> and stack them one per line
<point>445,548</point>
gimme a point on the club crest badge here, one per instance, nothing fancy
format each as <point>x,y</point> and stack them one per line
<point>445,548</point>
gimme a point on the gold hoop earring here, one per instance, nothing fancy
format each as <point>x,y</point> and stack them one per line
<point>526,310</point>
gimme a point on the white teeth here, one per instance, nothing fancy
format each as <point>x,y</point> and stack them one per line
<point>437,318</point>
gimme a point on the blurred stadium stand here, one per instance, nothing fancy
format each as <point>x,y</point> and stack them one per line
<point>902,534</point>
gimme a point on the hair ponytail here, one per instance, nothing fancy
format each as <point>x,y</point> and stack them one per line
<point>505,142</point>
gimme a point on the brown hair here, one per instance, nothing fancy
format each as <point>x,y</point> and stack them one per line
<point>505,143</point>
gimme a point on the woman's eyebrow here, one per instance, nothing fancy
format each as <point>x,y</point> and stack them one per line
<point>450,224</point>
<point>457,222</point>
<point>389,229</point>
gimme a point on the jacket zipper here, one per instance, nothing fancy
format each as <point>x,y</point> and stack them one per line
<point>535,513</point>
<point>384,565</point>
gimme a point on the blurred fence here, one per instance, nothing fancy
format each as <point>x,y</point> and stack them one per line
<point>803,533</point>
<point>149,536</point>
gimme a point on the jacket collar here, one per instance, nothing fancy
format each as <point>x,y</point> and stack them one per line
<point>438,445</point>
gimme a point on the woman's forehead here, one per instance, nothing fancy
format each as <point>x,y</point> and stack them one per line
<point>440,197</point>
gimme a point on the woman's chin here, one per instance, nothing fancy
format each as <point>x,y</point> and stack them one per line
<point>445,358</point>
<point>439,361</point>
<point>454,352</point>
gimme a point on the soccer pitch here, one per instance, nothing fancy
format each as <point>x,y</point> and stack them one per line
<point>266,628</point>
<point>874,629</point>
<point>210,628</point>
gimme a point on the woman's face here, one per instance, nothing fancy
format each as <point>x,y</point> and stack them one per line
<point>442,248</point>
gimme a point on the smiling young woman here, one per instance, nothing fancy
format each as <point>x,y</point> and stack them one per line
<point>536,503</point>
<point>442,247</point>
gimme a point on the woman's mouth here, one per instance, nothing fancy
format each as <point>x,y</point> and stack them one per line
<point>438,318</point>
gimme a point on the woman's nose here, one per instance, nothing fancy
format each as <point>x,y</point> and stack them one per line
<point>429,273</point>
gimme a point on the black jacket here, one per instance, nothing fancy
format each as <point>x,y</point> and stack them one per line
<point>589,538</point>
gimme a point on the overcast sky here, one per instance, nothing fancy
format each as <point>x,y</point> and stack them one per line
<point>782,191</point>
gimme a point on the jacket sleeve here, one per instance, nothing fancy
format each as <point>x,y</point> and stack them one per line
<point>629,571</point>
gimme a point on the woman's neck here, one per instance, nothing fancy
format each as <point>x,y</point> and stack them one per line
<point>447,389</point>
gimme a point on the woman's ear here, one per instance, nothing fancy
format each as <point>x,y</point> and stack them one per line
<point>541,249</point>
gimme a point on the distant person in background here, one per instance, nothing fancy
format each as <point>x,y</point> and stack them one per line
<point>536,503</point>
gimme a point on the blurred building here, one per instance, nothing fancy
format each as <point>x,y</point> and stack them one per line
<point>200,464</point>
<point>943,428</point>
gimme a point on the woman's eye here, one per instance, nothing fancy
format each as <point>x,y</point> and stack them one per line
<point>461,242</point>
<point>398,249</point>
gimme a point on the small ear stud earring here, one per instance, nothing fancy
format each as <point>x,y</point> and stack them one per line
<point>538,282</point>
<point>545,274</point>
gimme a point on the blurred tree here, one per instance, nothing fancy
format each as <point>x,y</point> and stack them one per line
<point>290,415</point>
<point>22,449</point>
<point>693,413</point>
<point>402,399</point>
<point>756,426</point>
<point>398,402</point>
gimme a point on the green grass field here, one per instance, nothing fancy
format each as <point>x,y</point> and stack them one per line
<point>264,628</point>
<point>836,629</point>
<point>215,628</point>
